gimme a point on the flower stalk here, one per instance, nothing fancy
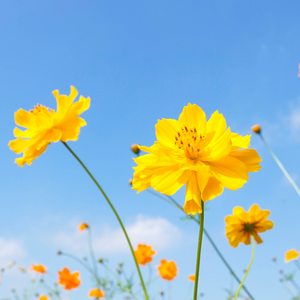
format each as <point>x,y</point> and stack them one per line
<point>116,214</point>
<point>248,269</point>
<point>199,250</point>
<point>280,165</point>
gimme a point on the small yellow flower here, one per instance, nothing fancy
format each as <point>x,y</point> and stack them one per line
<point>256,128</point>
<point>46,126</point>
<point>204,155</point>
<point>167,270</point>
<point>241,225</point>
<point>83,226</point>
<point>42,297</point>
<point>38,268</point>
<point>96,293</point>
<point>143,254</point>
<point>291,255</point>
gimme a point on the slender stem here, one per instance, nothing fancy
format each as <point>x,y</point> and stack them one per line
<point>199,251</point>
<point>174,203</point>
<point>297,264</point>
<point>92,252</point>
<point>246,273</point>
<point>80,261</point>
<point>116,214</point>
<point>280,165</point>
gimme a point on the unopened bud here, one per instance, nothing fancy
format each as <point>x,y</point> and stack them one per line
<point>100,260</point>
<point>274,258</point>
<point>135,149</point>
<point>256,128</point>
<point>58,252</point>
<point>130,181</point>
<point>162,293</point>
<point>121,265</point>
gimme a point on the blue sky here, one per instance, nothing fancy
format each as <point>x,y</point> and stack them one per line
<point>141,61</point>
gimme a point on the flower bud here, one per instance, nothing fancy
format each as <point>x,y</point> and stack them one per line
<point>100,260</point>
<point>130,181</point>
<point>256,128</point>
<point>135,149</point>
<point>58,252</point>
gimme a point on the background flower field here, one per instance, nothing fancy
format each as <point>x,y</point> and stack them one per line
<point>140,62</point>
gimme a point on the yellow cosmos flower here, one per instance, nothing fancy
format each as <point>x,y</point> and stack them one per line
<point>43,297</point>
<point>97,293</point>
<point>204,155</point>
<point>291,255</point>
<point>241,225</point>
<point>46,126</point>
<point>83,226</point>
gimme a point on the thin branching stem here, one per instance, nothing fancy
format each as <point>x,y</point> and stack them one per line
<point>116,214</point>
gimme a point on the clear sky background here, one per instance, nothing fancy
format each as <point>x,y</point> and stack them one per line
<point>141,61</point>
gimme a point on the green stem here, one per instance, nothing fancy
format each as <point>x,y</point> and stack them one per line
<point>280,165</point>
<point>174,203</point>
<point>297,264</point>
<point>246,273</point>
<point>116,214</point>
<point>199,251</point>
<point>92,252</point>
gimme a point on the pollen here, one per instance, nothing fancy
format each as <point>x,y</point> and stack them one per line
<point>190,141</point>
<point>41,109</point>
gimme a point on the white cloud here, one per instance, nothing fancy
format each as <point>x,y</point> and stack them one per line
<point>157,232</point>
<point>294,120</point>
<point>10,250</point>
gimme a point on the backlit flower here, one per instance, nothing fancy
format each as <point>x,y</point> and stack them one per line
<point>167,270</point>
<point>83,226</point>
<point>192,277</point>
<point>204,155</point>
<point>38,268</point>
<point>68,280</point>
<point>241,225</point>
<point>291,255</point>
<point>46,126</point>
<point>96,293</point>
<point>143,254</point>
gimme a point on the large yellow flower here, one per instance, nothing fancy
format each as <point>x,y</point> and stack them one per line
<point>204,155</point>
<point>241,225</point>
<point>46,126</point>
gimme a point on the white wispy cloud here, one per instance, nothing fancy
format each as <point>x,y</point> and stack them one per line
<point>158,232</point>
<point>11,250</point>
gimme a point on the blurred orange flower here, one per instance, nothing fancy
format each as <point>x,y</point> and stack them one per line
<point>144,254</point>
<point>167,270</point>
<point>291,255</point>
<point>241,225</point>
<point>38,268</point>
<point>83,226</point>
<point>192,277</point>
<point>46,126</point>
<point>256,128</point>
<point>70,281</point>
<point>42,297</point>
<point>97,293</point>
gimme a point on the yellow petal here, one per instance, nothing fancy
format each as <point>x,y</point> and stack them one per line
<point>192,117</point>
<point>166,131</point>
<point>25,119</point>
<point>216,124</point>
<point>249,157</point>
<point>231,172</point>
<point>24,134</point>
<point>168,180</point>
<point>192,195</point>
<point>212,189</point>
<point>240,142</point>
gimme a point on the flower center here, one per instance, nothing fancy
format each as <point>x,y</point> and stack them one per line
<point>190,141</point>
<point>249,227</point>
<point>41,109</point>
